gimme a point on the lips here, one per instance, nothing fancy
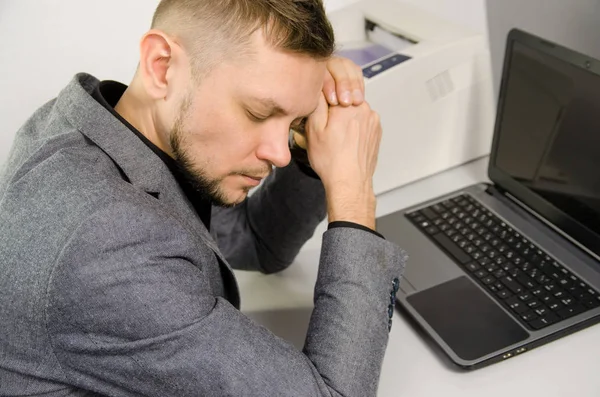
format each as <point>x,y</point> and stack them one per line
<point>256,178</point>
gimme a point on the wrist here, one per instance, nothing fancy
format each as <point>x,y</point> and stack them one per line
<point>348,204</point>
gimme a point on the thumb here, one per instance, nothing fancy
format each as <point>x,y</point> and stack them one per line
<point>317,121</point>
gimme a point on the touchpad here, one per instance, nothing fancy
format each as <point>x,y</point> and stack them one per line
<point>466,318</point>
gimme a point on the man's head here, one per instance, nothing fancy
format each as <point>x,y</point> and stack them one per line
<point>225,79</point>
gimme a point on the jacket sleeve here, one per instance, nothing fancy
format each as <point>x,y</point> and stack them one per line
<point>130,313</point>
<point>267,230</point>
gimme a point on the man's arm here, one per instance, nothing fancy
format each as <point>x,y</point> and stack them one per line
<point>130,312</point>
<point>267,230</point>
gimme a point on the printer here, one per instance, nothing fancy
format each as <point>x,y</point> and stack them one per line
<point>429,80</point>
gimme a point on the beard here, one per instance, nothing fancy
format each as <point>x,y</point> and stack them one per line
<point>208,188</point>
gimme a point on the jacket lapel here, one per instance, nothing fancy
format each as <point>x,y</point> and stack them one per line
<point>139,164</point>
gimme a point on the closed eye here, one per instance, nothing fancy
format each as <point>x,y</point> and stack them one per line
<point>255,117</point>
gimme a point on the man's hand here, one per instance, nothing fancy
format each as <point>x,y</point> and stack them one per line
<point>343,143</point>
<point>344,83</point>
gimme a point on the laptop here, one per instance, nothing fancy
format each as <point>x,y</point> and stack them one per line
<point>500,268</point>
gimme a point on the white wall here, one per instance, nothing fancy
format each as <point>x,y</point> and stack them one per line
<point>43,43</point>
<point>573,23</point>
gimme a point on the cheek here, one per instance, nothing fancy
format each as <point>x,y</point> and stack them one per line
<point>223,144</point>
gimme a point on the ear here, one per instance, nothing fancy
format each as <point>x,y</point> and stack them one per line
<point>156,58</point>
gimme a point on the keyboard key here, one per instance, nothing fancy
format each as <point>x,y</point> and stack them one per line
<point>534,304</point>
<point>476,255</point>
<point>508,267</point>
<point>560,294</point>
<point>547,298</point>
<point>565,282</point>
<point>555,306</point>
<point>448,204</point>
<point>591,303</point>
<point>571,311</point>
<point>432,230</point>
<point>568,301</point>
<point>488,280</point>
<point>500,260</point>
<point>473,266</point>
<point>491,267</point>
<point>413,214</point>
<point>516,305</point>
<point>481,273</point>
<point>450,232</point>
<point>438,208</point>
<point>545,321</point>
<point>449,246</point>
<point>512,285</point>
<point>484,261</point>
<point>504,293</point>
<point>419,218</point>
<point>538,291</point>
<point>525,296</point>
<point>542,279</point>
<point>526,281</point>
<point>529,316</point>
<point>542,311</point>
<point>429,213</point>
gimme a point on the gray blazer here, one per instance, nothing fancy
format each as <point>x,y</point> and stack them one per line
<point>111,285</point>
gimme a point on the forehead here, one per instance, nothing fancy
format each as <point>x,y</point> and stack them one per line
<point>293,81</point>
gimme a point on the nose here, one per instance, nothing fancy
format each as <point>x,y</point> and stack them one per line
<point>274,147</point>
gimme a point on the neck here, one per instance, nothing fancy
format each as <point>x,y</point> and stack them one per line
<point>139,111</point>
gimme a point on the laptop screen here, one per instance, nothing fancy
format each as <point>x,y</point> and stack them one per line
<point>547,141</point>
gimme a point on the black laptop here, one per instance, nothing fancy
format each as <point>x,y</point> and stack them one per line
<point>498,269</point>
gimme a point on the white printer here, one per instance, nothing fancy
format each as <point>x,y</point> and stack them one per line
<point>429,80</point>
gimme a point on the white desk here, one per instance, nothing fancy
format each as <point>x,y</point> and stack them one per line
<point>567,367</point>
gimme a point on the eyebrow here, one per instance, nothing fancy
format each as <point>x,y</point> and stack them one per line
<point>270,105</point>
<point>274,108</point>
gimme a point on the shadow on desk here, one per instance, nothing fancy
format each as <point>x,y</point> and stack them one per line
<point>289,324</point>
<point>292,325</point>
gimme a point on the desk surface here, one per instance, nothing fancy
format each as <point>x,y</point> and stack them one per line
<point>412,366</point>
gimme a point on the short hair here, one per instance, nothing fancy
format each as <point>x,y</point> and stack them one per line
<point>209,27</point>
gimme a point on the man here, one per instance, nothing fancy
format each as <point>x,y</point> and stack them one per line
<point>116,275</point>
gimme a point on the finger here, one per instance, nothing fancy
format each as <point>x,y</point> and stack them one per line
<point>355,82</point>
<point>339,70</point>
<point>359,89</point>
<point>329,89</point>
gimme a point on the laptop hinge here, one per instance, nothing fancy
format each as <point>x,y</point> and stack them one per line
<point>499,192</point>
<point>493,190</point>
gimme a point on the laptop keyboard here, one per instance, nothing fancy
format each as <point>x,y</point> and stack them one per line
<point>520,275</point>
